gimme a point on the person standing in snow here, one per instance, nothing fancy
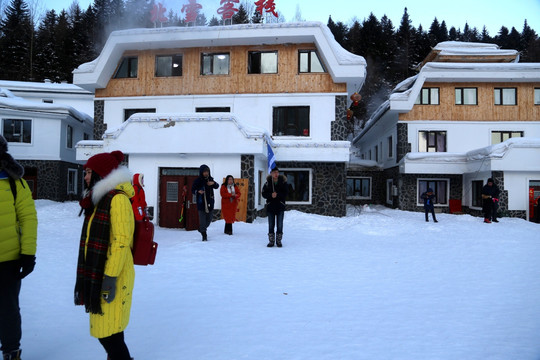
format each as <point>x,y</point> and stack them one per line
<point>495,198</point>
<point>18,242</point>
<point>275,191</point>
<point>229,202</point>
<point>429,200</point>
<point>488,196</point>
<point>203,189</point>
<point>105,270</point>
<point>138,201</point>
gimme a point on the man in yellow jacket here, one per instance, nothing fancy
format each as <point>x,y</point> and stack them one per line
<point>18,235</point>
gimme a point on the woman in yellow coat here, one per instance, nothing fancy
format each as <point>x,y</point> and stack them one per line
<point>105,271</point>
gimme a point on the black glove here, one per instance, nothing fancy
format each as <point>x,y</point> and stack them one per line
<point>108,288</point>
<point>27,265</point>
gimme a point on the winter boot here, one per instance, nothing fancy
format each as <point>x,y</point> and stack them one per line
<point>204,237</point>
<point>14,355</point>
<point>278,239</point>
<point>271,238</point>
<point>226,230</point>
<point>230,229</point>
<point>487,221</point>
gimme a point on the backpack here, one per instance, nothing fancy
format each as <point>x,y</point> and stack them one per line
<point>144,247</point>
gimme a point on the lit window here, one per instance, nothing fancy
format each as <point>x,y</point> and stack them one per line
<point>215,64</point>
<point>168,65</point>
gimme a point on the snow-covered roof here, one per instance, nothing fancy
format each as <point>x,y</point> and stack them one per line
<point>10,101</point>
<point>46,87</point>
<point>342,65</point>
<point>459,48</point>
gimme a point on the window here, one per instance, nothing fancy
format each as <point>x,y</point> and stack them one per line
<point>72,181</point>
<point>129,112</point>
<point>432,141</point>
<point>390,191</point>
<point>291,121</point>
<point>47,101</point>
<point>299,182</point>
<point>505,96</point>
<point>19,131</point>
<point>440,188</point>
<point>428,96</point>
<point>376,153</point>
<point>390,147</point>
<point>537,96</point>
<point>127,68</point>
<point>477,193</point>
<point>359,187</point>
<point>309,62</point>
<point>215,64</point>
<point>171,191</point>
<point>168,65</point>
<point>212,109</point>
<point>69,137</point>
<point>466,96</point>
<point>86,136</point>
<point>260,62</point>
<point>498,137</point>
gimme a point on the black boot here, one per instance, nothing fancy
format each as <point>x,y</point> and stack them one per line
<point>230,229</point>
<point>271,238</point>
<point>226,230</point>
<point>204,237</point>
<point>278,239</point>
<point>14,355</point>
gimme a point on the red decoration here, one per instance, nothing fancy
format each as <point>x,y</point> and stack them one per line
<point>356,97</point>
<point>350,114</point>
<point>158,14</point>
<point>266,6</point>
<point>191,9</point>
<point>228,9</point>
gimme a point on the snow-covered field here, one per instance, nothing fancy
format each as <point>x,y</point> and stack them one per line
<point>377,284</point>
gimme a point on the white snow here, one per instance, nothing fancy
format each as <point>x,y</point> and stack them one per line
<point>454,48</point>
<point>377,284</point>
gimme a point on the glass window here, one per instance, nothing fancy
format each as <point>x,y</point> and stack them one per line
<point>428,96</point>
<point>299,183</point>
<point>432,141</point>
<point>309,62</point>
<point>376,153</point>
<point>477,186</point>
<point>537,96</point>
<point>291,121</point>
<point>389,191</point>
<point>172,191</point>
<point>466,96</point>
<point>498,137</point>
<point>86,136</point>
<point>128,68</point>
<point>390,147</point>
<point>440,188</point>
<point>213,109</point>
<point>69,137</point>
<point>215,64</point>
<point>168,65</point>
<point>19,131</point>
<point>505,96</point>
<point>129,112</point>
<point>72,181</point>
<point>262,62</point>
<point>359,187</point>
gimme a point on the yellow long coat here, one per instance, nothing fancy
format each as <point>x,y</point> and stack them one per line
<point>119,264</point>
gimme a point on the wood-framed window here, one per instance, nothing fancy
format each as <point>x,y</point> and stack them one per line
<point>290,121</point>
<point>432,141</point>
<point>498,137</point>
<point>128,68</point>
<point>358,187</point>
<point>505,96</point>
<point>309,62</point>
<point>215,63</point>
<point>428,96</point>
<point>168,65</point>
<point>440,188</point>
<point>262,62</point>
<point>466,96</point>
<point>17,130</point>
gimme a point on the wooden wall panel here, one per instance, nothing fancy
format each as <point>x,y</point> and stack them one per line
<point>287,80</point>
<point>486,110</point>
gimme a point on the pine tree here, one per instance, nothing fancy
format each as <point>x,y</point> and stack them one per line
<point>484,36</point>
<point>46,64</point>
<point>64,48</point>
<point>241,17</point>
<point>214,21</point>
<point>137,14</point>
<point>256,18</point>
<point>405,45</point>
<point>16,36</point>
<point>527,39</point>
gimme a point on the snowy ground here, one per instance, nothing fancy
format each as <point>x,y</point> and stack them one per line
<point>377,284</point>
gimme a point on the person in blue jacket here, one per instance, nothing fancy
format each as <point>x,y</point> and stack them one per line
<point>429,200</point>
<point>203,189</point>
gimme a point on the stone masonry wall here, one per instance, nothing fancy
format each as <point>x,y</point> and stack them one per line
<point>341,127</point>
<point>99,119</point>
<point>51,183</point>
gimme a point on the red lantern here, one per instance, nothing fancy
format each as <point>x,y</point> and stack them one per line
<point>356,97</point>
<point>350,114</point>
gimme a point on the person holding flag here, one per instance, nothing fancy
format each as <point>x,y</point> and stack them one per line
<point>275,191</point>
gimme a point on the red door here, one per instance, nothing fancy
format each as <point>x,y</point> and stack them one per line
<point>176,209</point>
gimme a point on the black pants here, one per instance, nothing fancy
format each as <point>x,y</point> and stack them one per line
<point>10,314</point>
<point>115,347</point>
<point>427,211</point>
<point>205,219</point>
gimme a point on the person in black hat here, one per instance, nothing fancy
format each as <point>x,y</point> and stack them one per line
<point>429,200</point>
<point>275,191</point>
<point>18,236</point>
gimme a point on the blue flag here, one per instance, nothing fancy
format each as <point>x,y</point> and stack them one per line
<point>271,159</point>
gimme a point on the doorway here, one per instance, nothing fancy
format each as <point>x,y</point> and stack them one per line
<point>176,208</point>
<point>534,201</point>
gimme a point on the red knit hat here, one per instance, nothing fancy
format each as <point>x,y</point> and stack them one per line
<point>103,164</point>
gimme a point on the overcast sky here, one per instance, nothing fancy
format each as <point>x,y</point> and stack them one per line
<point>477,13</point>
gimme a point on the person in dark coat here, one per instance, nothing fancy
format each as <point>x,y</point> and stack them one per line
<point>429,200</point>
<point>488,195</point>
<point>275,191</point>
<point>495,198</point>
<point>203,189</point>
